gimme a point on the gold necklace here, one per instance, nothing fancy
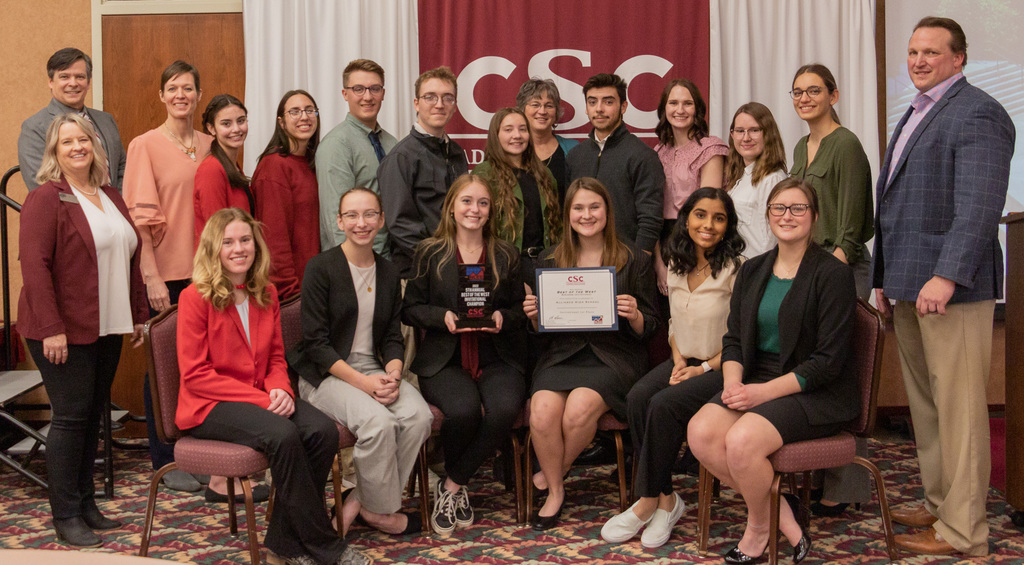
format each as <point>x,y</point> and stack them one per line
<point>366,279</point>
<point>789,273</point>
<point>701,270</point>
<point>188,148</point>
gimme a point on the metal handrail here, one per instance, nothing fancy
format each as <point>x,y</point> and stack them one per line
<point>5,273</point>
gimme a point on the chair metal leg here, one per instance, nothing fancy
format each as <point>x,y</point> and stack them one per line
<point>517,455</point>
<point>250,518</point>
<point>773,521</point>
<point>154,486</point>
<point>620,458</point>
<point>424,491</point>
<point>270,501</point>
<point>528,479</point>
<point>108,452</point>
<point>883,504</point>
<point>232,516</point>
<point>632,476</point>
<point>704,488</point>
<point>336,479</point>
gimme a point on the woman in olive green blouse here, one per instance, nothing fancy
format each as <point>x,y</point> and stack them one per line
<point>832,160</point>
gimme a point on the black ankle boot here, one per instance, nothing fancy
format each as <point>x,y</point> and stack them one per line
<point>96,521</point>
<point>74,531</point>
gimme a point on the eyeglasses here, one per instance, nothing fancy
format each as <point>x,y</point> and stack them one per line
<point>740,132</point>
<point>432,99</point>
<point>813,92</point>
<point>369,216</point>
<point>359,89</point>
<point>537,105</point>
<point>795,209</point>
<point>296,112</point>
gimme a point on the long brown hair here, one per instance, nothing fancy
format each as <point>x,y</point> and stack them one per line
<point>827,78</point>
<point>504,180</point>
<point>567,252</point>
<point>771,159</point>
<point>208,272</point>
<point>443,240</point>
<point>698,130</point>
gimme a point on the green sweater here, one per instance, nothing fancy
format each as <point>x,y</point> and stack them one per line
<point>841,175</point>
<point>486,170</point>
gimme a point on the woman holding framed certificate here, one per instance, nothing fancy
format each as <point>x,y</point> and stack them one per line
<point>466,296</point>
<point>581,375</point>
<point>703,256</point>
<point>784,360</point>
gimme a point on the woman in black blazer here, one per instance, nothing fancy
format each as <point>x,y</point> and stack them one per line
<point>784,360</point>
<point>582,375</point>
<point>474,375</point>
<point>350,364</point>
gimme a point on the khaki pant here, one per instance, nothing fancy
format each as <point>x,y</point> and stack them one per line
<point>946,362</point>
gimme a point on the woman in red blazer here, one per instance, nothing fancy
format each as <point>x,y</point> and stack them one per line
<point>234,385</point>
<point>82,291</point>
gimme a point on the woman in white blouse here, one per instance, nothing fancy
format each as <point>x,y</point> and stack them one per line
<point>756,162</point>
<point>703,256</point>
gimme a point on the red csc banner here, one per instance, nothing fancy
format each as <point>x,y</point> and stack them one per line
<point>493,46</point>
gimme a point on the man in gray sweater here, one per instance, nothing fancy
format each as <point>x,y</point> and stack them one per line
<point>629,168</point>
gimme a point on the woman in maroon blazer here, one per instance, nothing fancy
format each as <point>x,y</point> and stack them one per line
<point>82,291</point>
<point>235,388</point>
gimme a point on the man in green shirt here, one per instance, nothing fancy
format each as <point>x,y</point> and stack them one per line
<point>348,156</point>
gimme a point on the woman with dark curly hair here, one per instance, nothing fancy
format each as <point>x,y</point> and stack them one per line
<point>703,256</point>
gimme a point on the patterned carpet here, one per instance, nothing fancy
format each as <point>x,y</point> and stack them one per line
<point>188,530</point>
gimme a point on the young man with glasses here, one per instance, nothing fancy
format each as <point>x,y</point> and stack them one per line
<point>415,176</point>
<point>350,154</point>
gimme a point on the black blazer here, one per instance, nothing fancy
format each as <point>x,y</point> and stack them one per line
<point>330,311</point>
<point>623,349</point>
<point>815,324</point>
<point>429,296</point>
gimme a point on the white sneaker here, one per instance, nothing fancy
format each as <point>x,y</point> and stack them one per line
<point>662,522</point>
<point>624,526</point>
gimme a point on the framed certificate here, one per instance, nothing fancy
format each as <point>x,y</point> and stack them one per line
<point>580,299</point>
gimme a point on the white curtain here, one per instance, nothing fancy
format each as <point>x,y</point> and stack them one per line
<point>756,47</point>
<point>307,43</point>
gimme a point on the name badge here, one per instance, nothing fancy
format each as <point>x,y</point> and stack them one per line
<point>68,197</point>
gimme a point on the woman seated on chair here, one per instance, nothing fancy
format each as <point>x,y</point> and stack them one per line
<point>703,255</point>
<point>234,385</point>
<point>783,365</point>
<point>350,364</point>
<point>582,375</point>
<point>474,374</point>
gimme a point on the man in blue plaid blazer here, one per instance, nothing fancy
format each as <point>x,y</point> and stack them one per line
<point>940,194</point>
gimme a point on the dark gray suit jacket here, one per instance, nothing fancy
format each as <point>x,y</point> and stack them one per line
<point>939,214</point>
<point>32,141</point>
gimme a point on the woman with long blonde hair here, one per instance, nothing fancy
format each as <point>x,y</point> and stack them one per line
<point>474,374</point>
<point>235,385</point>
<point>581,375</point>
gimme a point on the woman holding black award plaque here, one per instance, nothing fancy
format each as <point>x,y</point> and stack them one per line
<point>583,374</point>
<point>465,292</point>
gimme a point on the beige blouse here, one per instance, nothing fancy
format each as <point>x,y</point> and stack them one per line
<point>699,317</point>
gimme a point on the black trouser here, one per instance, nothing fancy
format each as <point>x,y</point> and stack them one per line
<point>78,390</point>
<point>300,450</point>
<point>470,435</point>
<point>160,453</point>
<point>658,415</point>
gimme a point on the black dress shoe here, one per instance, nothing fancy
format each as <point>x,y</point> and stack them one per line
<point>97,521</point>
<point>260,493</point>
<point>541,523</point>
<point>74,531</point>
<point>803,519</point>
<point>827,511</point>
<point>802,548</point>
<point>735,556</point>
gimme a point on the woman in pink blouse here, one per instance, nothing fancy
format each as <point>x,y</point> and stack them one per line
<point>692,158</point>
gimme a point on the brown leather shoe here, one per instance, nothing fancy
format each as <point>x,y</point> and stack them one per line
<point>928,542</point>
<point>913,515</point>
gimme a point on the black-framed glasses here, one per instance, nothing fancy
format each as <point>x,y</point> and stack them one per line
<point>813,92</point>
<point>432,99</point>
<point>359,89</point>
<point>795,209</point>
<point>296,112</point>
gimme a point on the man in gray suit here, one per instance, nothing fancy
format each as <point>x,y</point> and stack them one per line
<point>940,194</point>
<point>70,73</point>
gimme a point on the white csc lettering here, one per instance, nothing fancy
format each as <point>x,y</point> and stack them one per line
<point>571,92</point>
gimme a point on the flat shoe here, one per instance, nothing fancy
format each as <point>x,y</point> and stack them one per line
<point>827,511</point>
<point>913,515</point>
<point>927,542</point>
<point>662,522</point>
<point>414,525</point>
<point>623,526</point>
<point>179,480</point>
<point>260,493</point>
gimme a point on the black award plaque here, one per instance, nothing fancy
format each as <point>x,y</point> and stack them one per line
<point>475,307</point>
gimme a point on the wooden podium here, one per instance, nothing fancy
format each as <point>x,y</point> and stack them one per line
<point>1015,364</point>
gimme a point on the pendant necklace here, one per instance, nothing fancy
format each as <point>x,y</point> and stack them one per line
<point>189,149</point>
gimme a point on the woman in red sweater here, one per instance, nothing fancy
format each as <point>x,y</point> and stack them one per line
<point>220,182</point>
<point>285,188</point>
<point>235,387</point>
